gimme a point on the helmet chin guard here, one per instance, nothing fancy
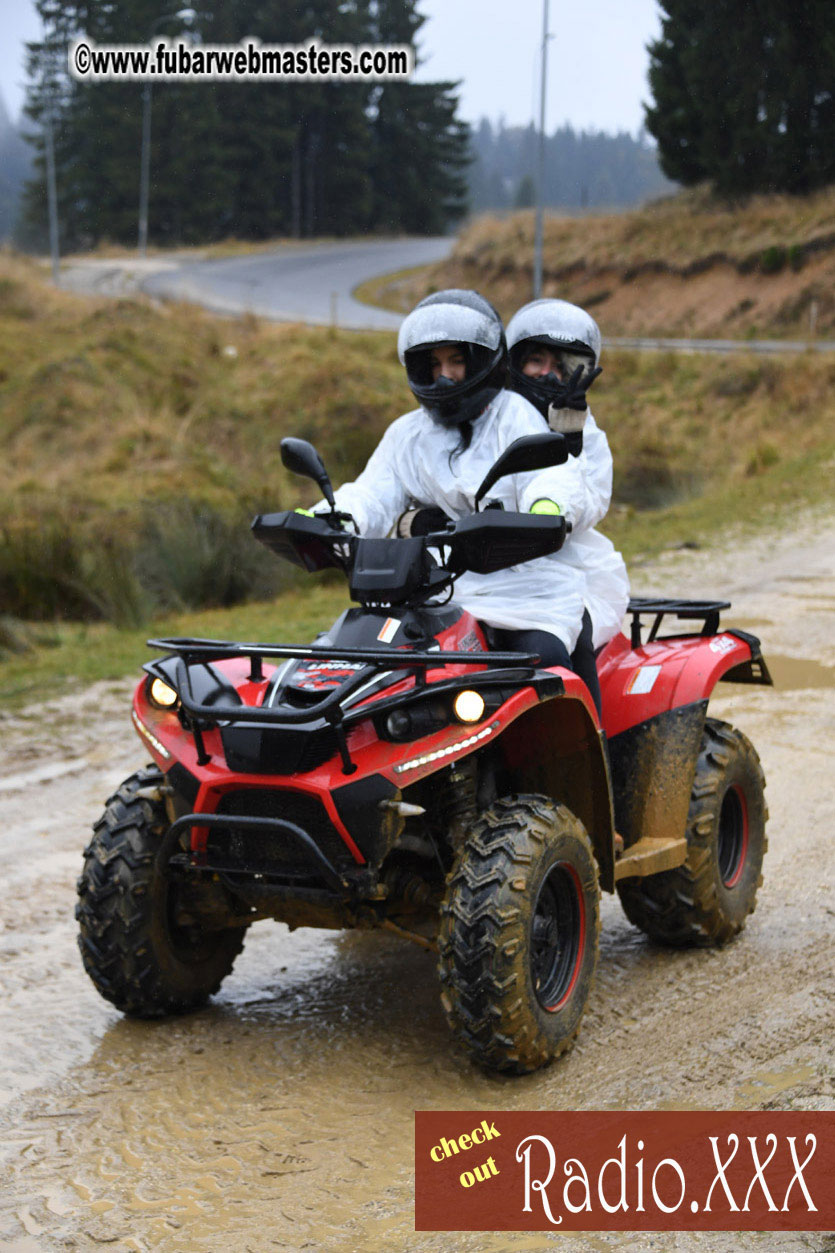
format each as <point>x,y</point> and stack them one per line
<point>459,317</point>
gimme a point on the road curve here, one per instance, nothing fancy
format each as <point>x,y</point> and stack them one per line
<point>313,283</point>
<point>767,346</point>
<point>300,282</point>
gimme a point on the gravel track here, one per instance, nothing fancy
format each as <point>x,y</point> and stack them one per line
<point>281,1117</point>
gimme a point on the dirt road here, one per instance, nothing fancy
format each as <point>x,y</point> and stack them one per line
<point>282,1116</point>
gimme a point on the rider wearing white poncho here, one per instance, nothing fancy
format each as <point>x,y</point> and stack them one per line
<point>453,347</point>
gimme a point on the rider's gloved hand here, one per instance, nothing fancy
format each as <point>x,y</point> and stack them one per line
<point>567,411</point>
<point>344,521</point>
<point>571,394</point>
<point>340,521</point>
<point>421,522</point>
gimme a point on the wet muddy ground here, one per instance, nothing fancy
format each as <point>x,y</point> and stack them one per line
<point>282,1116</point>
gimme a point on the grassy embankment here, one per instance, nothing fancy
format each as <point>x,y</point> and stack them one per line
<point>687,265</point>
<point>138,442</point>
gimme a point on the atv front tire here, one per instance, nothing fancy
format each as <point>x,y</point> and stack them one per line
<point>706,900</point>
<point>134,944</point>
<point>519,934</point>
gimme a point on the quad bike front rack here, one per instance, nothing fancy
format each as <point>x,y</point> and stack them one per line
<point>501,668</point>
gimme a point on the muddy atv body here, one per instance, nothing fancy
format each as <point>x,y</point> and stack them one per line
<point>399,774</point>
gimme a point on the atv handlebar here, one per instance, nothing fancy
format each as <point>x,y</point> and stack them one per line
<point>404,571</point>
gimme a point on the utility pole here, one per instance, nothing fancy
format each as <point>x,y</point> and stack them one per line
<point>540,177</point>
<point>52,194</point>
<point>48,123</point>
<point>183,15</point>
<point>144,168</point>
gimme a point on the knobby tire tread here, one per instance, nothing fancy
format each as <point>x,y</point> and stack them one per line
<point>685,906</point>
<point>119,935</point>
<point>483,935</point>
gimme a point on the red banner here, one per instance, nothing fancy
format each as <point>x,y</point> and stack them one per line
<point>604,1171</point>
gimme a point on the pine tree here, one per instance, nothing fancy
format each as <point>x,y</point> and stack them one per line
<point>251,159</point>
<point>743,94</point>
<point>14,170</point>
<point>420,148</point>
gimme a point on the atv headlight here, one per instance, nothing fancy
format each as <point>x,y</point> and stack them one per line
<point>398,724</point>
<point>162,695</point>
<point>468,706</point>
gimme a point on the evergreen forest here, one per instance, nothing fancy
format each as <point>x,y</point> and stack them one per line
<point>246,159</point>
<point>744,94</point>
<point>583,169</point>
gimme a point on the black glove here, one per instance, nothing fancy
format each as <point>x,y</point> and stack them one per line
<point>571,394</point>
<point>340,521</point>
<point>421,522</point>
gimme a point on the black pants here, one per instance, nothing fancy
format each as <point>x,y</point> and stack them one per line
<point>583,662</point>
<point>553,652</point>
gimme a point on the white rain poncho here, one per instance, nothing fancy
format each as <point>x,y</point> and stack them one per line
<point>607,583</point>
<point>412,466</point>
<point>554,323</point>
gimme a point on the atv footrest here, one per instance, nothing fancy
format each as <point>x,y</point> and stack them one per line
<point>650,855</point>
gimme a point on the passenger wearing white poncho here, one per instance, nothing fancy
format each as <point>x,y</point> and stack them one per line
<point>554,350</point>
<point>453,347</point>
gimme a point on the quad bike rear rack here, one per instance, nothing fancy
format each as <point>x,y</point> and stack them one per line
<point>754,670</point>
<point>706,611</point>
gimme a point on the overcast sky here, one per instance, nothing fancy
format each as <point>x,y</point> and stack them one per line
<point>597,57</point>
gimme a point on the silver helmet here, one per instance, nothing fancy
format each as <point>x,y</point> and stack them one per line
<point>458,317</point>
<point>563,328</point>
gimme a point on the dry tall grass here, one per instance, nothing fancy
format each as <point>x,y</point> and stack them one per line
<point>138,442</point>
<point>686,265</point>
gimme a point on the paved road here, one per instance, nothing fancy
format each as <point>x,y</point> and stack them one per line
<point>313,283</point>
<point>722,345</point>
<point>305,283</point>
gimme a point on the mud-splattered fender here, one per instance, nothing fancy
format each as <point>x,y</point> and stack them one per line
<point>652,768</point>
<point>655,701</point>
<point>556,748</point>
<point>643,683</point>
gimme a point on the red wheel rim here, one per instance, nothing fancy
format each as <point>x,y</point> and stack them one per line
<point>733,836</point>
<point>558,936</point>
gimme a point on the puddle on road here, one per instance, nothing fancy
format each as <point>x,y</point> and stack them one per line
<point>788,673</point>
<point>791,673</point>
<point>766,1085</point>
<point>746,624</point>
<point>42,774</point>
<point>282,1114</point>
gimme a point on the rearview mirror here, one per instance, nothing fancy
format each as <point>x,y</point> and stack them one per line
<point>302,458</point>
<point>529,452</point>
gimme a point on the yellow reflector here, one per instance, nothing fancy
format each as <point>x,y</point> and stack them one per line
<point>469,707</point>
<point>546,506</point>
<point>163,696</point>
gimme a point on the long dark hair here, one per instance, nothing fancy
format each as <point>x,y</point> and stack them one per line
<point>466,429</point>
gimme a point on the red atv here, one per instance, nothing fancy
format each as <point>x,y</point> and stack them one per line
<point>400,774</point>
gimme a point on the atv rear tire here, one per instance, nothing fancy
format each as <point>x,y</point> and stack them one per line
<point>133,948</point>
<point>519,934</point>
<point>707,900</point>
